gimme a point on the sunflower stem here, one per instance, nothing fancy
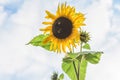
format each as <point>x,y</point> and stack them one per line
<point>75,70</point>
<point>77,76</point>
<point>79,62</point>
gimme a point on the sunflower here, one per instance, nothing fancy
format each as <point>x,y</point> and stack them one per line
<point>63,28</point>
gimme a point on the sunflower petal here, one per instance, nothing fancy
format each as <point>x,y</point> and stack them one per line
<point>59,46</point>
<point>50,15</point>
<point>63,8</point>
<point>69,47</point>
<point>46,23</point>
<point>77,25</point>
<point>47,29</point>
<point>59,10</point>
<point>51,46</point>
<point>55,45</point>
<point>63,47</point>
<point>47,39</point>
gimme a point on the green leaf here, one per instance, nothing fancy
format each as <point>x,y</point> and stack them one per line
<point>73,55</point>
<point>87,46</point>
<point>69,70</point>
<point>93,58</point>
<point>67,59</point>
<point>61,77</point>
<point>83,68</point>
<point>68,67</point>
<point>38,41</point>
<point>82,57</point>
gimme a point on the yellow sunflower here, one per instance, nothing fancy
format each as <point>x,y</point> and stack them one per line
<point>63,28</point>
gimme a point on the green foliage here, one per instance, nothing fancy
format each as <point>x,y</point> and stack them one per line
<point>93,57</point>
<point>83,68</point>
<point>81,57</point>
<point>87,46</point>
<point>75,64</point>
<point>68,66</point>
<point>61,77</point>
<point>38,41</point>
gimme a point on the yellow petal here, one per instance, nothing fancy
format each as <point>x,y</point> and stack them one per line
<point>59,10</point>
<point>72,12</point>
<point>63,47</point>
<point>59,46</point>
<point>78,25</point>
<point>47,39</point>
<point>73,43</point>
<point>63,8</point>
<point>46,23</point>
<point>80,20</point>
<point>68,10</point>
<point>50,15</point>
<point>69,47</point>
<point>47,29</point>
<point>55,44</point>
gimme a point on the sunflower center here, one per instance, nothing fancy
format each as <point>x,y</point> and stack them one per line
<point>62,28</point>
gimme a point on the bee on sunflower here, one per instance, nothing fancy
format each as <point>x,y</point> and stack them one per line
<point>63,28</point>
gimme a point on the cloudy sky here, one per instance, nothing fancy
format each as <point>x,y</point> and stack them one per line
<point>20,21</point>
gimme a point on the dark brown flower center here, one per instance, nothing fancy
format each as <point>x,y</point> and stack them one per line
<point>62,28</point>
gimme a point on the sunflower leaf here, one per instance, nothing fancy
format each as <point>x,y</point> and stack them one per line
<point>83,68</point>
<point>68,67</point>
<point>93,58</point>
<point>73,56</point>
<point>82,57</point>
<point>38,41</point>
<point>87,46</point>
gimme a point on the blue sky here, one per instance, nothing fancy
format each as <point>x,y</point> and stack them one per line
<point>20,21</point>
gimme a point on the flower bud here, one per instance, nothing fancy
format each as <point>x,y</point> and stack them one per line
<point>84,36</point>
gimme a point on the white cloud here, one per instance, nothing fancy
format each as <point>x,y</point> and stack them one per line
<point>3,15</point>
<point>98,21</point>
<point>117,6</point>
<point>103,26</point>
<point>3,1</point>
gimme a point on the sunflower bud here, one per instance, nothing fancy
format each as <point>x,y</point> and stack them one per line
<point>84,36</point>
<point>54,76</point>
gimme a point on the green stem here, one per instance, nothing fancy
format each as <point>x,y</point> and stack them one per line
<point>77,76</point>
<point>81,47</point>
<point>79,62</point>
<point>75,70</point>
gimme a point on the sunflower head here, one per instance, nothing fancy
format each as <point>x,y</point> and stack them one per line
<point>84,36</point>
<point>63,27</point>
